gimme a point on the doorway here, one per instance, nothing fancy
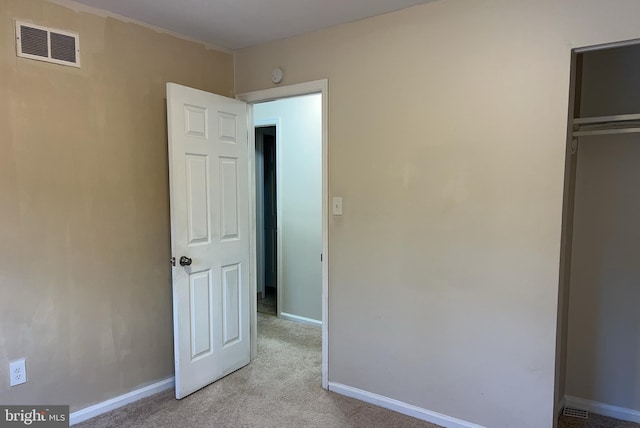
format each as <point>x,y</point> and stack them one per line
<point>253,98</point>
<point>292,204</point>
<point>197,321</point>
<point>266,219</point>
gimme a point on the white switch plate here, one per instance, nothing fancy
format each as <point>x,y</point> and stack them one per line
<point>337,205</point>
<point>17,372</point>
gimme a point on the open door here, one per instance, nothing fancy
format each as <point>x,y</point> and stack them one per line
<point>209,189</point>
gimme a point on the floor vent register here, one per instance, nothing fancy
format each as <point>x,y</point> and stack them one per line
<point>575,413</point>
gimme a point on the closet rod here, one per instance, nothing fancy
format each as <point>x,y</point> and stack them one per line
<point>605,131</point>
<point>605,119</point>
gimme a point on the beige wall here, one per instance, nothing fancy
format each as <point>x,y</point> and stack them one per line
<point>447,133</point>
<point>84,237</point>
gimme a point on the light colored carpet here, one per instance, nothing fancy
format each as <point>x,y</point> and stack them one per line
<point>594,421</point>
<point>280,388</point>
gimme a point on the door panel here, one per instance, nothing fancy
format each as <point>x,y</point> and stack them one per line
<point>231,304</point>
<point>229,187</point>
<point>208,173</point>
<point>197,199</point>
<point>200,293</point>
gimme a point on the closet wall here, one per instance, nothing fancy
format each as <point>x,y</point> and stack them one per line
<point>610,82</point>
<point>603,342</point>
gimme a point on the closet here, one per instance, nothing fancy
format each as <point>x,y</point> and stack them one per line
<point>601,319</point>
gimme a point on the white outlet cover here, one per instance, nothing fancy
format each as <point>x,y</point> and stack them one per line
<point>17,372</point>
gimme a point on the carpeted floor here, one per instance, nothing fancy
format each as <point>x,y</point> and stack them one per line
<point>280,388</point>
<point>594,421</point>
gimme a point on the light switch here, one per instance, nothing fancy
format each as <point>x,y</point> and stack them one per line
<point>337,205</point>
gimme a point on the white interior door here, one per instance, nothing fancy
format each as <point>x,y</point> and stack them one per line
<point>208,174</point>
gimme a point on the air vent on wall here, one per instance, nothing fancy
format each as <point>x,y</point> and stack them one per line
<point>47,44</point>
<point>575,413</point>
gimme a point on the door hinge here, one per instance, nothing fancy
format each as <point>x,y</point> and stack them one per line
<point>320,256</point>
<point>172,260</point>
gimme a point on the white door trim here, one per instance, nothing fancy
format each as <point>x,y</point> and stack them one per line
<point>316,86</point>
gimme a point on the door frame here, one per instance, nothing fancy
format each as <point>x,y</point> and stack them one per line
<point>253,97</point>
<point>566,237</point>
<point>275,122</point>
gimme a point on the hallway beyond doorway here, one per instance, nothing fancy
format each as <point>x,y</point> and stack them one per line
<point>267,304</point>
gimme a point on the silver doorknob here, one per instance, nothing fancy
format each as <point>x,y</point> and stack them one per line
<point>185,261</point>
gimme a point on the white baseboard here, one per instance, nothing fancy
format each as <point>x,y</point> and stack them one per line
<point>560,407</point>
<point>603,409</point>
<point>114,403</point>
<point>401,407</point>
<point>300,319</point>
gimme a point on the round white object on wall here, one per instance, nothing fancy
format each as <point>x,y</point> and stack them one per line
<point>276,75</point>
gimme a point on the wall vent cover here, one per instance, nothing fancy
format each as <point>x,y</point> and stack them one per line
<point>575,413</point>
<point>47,44</point>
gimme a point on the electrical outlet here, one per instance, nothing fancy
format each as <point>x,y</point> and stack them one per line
<point>17,372</point>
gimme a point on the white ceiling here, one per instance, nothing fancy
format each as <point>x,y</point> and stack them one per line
<point>234,24</point>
